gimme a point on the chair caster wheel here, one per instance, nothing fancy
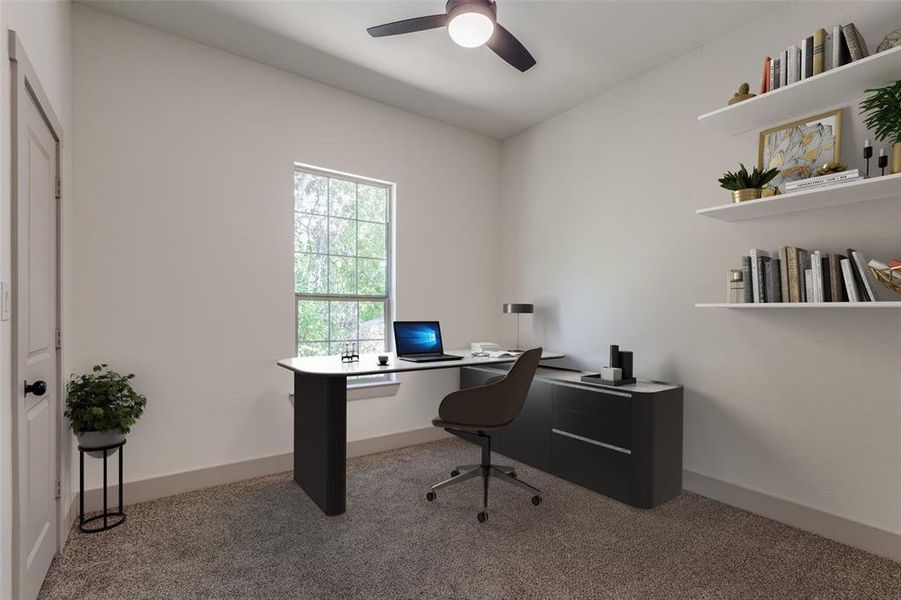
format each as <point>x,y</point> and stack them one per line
<point>430,496</point>
<point>513,474</point>
<point>454,473</point>
<point>536,500</point>
<point>483,516</point>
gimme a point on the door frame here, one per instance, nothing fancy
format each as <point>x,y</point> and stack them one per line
<point>25,85</point>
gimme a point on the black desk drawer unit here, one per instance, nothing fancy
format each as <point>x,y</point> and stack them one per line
<point>623,443</point>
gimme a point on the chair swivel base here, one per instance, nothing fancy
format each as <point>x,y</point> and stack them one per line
<point>486,471</point>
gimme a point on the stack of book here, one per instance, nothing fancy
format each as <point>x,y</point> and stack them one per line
<point>822,181</point>
<point>818,53</point>
<point>797,275</point>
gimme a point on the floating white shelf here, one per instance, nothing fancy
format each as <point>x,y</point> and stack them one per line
<point>792,101</point>
<point>804,305</point>
<point>875,188</point>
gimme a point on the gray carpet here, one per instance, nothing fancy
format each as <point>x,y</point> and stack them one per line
<point>263,538</point>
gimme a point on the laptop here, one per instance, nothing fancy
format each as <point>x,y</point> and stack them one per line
<point>420,341</point>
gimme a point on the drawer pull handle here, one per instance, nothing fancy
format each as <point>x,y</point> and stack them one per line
<point>591,441</point>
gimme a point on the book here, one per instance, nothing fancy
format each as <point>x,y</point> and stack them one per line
<point>861,263</point>
<point>793,56</point>
<point>777,72</point>
<point>783,274</point>
<point>755,255</point>
<point>773,281</point>
<point>807,57</point>
<point>808,283</point>
<point>840,53</point>
<point>838,293</point>
<point>762,262</point>
<point>819,51</point>
<point>794,280</point>
<point>803,266</point>
<point>747,289</point>
<point>783,72</point>
<point>827,52</point>
<point>765,80</point>
<point>823,180</point>
<point>735,287</point>
<point>857,47</point>
<point>850,284</point>
<point>858,277</point>
<point>816,271</point>
<point>826,278</point>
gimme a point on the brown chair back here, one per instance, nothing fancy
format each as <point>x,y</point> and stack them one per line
<point>496,403</point>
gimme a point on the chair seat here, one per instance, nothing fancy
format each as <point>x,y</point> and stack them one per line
<point>438,422</point>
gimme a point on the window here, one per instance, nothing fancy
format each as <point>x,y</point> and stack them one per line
<point>342,262</point>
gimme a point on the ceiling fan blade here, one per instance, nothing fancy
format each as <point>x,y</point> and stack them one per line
<point>510,49</point>
<point>408,25</point>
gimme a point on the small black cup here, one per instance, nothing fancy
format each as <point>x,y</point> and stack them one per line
<point>383,360</point>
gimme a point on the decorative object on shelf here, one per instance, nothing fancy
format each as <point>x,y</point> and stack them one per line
<point>883,161</point>
<point>832,167</point>
<point>743,93</point>
<point>769,191</point>
<point>824,180</point>
<point>867,154</point>
<point>883,117</point>
<point>892,40</point>
<point>349,353</point>
<point>518,309</point>
<point>619,361</point>
<point>796,148</point>
<point>735,288</point>
<point>747,186</point>
<point>101,407</point>
<point>888,275</point>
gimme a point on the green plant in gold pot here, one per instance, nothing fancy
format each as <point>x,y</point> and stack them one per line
<point>744,185</point>
<point>883,117</point>
<point>102,406</point>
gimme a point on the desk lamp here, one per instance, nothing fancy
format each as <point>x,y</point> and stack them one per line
<point>518,309</point>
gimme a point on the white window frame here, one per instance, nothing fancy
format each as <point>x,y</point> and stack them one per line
<point>388,298</point>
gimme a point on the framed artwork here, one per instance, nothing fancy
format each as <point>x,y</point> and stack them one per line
<point>797,149</point>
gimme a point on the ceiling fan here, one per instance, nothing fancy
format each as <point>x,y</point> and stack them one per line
<point>470,23</point>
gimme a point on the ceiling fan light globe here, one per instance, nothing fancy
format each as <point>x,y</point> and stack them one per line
<point>470,29</point>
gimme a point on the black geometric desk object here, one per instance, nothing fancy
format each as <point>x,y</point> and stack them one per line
<point>118,516</point>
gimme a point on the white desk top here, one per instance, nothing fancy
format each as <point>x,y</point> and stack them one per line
<point>369,364</point>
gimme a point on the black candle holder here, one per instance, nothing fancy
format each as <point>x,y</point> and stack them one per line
<point>868,154</point>
<point>349,353</point>
<point>883,162</point>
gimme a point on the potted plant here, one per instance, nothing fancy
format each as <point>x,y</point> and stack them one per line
<point>747,186</point>
<point>102,406</point>
<point>883,110</point>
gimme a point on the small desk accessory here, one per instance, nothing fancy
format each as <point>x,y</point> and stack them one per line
<point>383,359</point>
<point>349,353</point>
<point>620,365</point>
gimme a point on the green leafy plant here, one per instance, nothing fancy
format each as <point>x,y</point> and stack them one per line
<point>741,179</point>
<point>883,110</point>
<point>103,400</point>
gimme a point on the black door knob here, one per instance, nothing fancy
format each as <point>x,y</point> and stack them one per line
<point>38,388</point>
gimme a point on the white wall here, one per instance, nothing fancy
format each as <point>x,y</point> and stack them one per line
<point>45,30</point>
<point>183,267</point>
<point>599,229</point>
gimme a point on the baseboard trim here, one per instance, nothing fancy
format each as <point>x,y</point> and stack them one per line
<point>152,488</point>
<point>853,533</point>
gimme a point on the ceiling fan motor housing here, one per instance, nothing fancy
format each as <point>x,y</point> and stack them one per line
<point>485,7</point>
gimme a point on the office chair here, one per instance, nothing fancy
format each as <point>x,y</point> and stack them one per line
<point>472,414</point>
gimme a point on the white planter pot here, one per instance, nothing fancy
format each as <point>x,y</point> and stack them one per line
<point>94,439</point>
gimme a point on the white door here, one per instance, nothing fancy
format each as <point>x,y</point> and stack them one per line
<point>35,302</point>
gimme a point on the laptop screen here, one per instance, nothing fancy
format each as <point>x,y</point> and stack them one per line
<point>417,337</point>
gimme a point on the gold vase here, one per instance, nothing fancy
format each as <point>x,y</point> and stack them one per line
<point>746,194</point>
<point>896,158</point>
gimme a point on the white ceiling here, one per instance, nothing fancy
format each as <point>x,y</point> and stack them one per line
<point>582,48</point>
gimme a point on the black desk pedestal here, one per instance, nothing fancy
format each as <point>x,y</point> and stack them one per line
<point>116,516</point>
<point>320,439</point>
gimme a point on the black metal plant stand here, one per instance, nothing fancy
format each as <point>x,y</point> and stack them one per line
<point>110,518</point>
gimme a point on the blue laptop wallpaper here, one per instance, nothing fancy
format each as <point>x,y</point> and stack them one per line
<point>417,338</point>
